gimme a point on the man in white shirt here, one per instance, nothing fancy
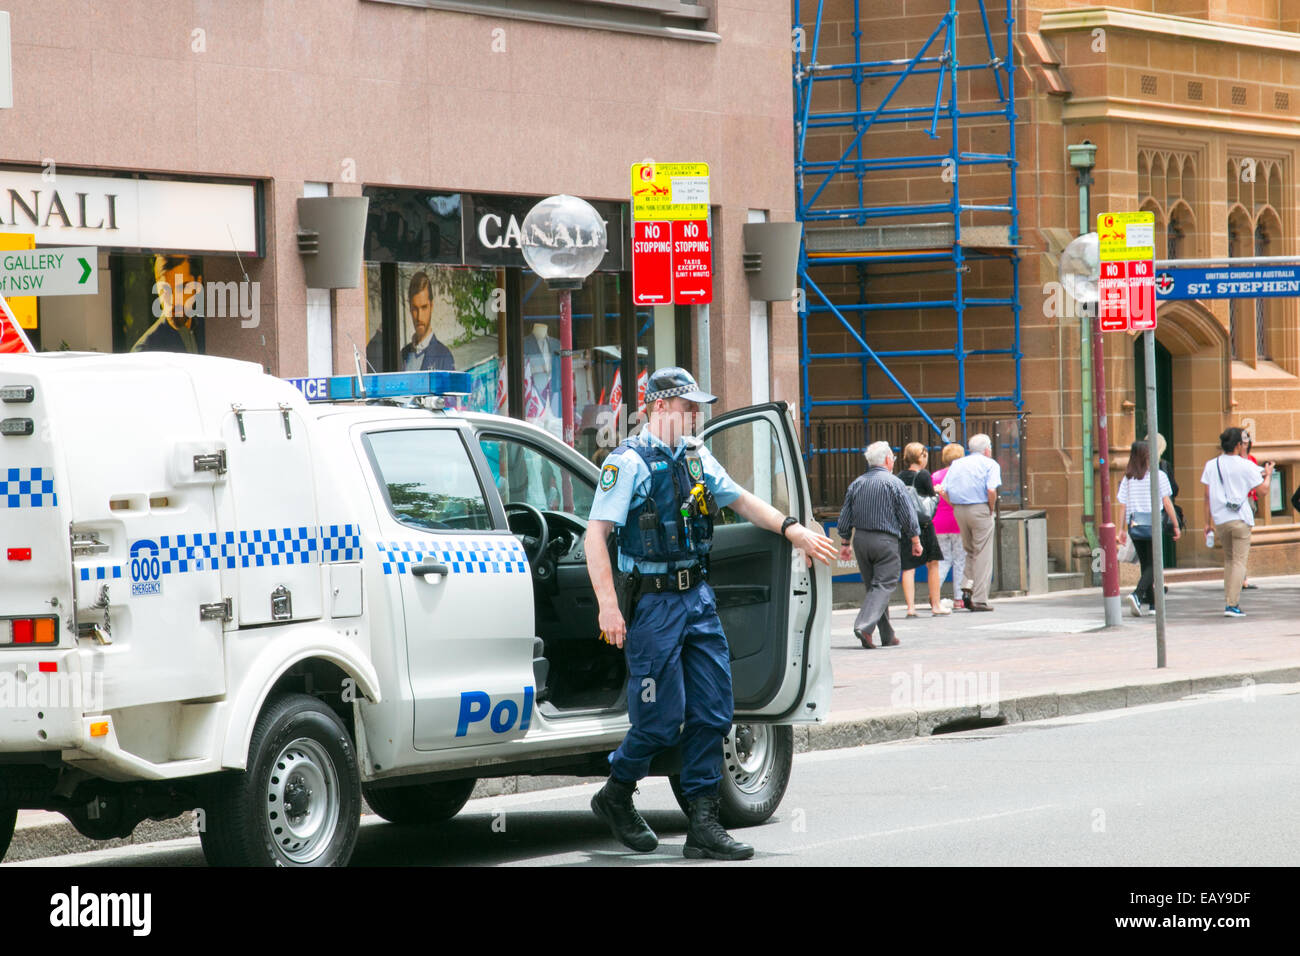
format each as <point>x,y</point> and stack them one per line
<point>971,487</point>
<point>1229,479</point>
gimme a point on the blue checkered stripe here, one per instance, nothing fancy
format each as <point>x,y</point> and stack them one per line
<point>497,556</point>
<point>271,547</point>
<point>340,542</point>
<point>27,488</point>
<point>102,572</point>
<point>255,548</point>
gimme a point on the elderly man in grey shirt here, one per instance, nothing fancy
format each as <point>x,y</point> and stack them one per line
<point>877,512</point>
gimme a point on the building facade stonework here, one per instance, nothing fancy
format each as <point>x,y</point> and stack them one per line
<point>443,108</point>
<point>1193,107</point>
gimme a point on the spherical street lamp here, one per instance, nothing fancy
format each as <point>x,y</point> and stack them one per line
<point>564,241</point>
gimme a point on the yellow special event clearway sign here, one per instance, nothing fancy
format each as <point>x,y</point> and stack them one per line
<point>666,191</point>
<point>1126,236</point>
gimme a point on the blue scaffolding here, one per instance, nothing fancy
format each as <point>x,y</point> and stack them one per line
<point>844,235</point>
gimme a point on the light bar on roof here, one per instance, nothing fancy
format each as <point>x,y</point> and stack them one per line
<point>342,388</point>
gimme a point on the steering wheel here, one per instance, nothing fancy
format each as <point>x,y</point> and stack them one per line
<point>538,552</point>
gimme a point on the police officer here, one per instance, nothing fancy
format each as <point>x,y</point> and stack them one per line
<point>679,669</point>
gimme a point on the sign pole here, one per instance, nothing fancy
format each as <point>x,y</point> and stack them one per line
<point>705,370</point>
<point>1125,301</point>
<point>1109,551</point>
<point>1153,471</point>
<point>566,364</point>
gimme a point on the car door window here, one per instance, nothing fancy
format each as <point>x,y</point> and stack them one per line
<point>752,454</point>
<point>429,480</point>
<point>523,474</point>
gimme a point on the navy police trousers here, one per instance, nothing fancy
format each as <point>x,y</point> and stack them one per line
<point>679,688</point>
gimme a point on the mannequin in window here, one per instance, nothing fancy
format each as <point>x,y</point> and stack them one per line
<point>542,352</point>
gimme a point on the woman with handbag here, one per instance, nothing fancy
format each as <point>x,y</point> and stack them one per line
<point>946,530</point>
<point>921,488</point>
<point>1134,519</point>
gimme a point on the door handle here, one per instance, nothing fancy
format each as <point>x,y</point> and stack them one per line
<point>420,570</point>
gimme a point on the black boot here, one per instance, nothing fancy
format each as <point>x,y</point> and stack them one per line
<point>613,804</point>
<point>706,838</point>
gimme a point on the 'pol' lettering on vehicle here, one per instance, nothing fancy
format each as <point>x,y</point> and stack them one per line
<point>475,706</point>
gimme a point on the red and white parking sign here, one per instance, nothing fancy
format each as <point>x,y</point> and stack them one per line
<point>1126,287</point>
<point>692,262</point>
<point>1141,296</point>
<point>652,263</point>
<point>672,262</point>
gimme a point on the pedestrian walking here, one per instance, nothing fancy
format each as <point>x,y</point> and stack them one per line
<point>1248,442</point>
<point>971,487</point>
<point>915,476</point>
<point>660,489</point>
<point>946,530</point>
<point>1135,520</point>
<point>1228,481</point>
<point>877,513</point>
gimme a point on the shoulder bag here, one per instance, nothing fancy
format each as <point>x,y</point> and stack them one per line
<point>924,504</point>
<point>1234,506</point>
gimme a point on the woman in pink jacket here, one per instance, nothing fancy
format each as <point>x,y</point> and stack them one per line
<point>945,527</point>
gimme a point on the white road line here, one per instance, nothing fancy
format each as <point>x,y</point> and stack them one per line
<point>922,826</point>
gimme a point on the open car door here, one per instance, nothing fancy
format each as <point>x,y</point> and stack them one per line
<point>776,611</point>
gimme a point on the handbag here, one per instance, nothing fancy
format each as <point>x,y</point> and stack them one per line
<point>1127,553</point>
<point>925,505</point>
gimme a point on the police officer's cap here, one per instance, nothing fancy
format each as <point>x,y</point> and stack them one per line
<point>674,382</point>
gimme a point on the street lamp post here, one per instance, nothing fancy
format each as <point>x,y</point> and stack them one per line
<point>563,241</point>
<point>1082,159</point>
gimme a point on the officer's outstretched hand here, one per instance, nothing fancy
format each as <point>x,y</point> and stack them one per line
<point>613,626</point>
<point>814,545</point>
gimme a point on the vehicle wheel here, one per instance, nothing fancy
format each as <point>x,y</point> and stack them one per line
<point>757,759</point>
<point>8,820</point>
<point>299,801</point>
<point>420,803</point>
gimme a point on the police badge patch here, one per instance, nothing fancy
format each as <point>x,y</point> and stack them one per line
<point>608,477</point>
<point>696,468</point>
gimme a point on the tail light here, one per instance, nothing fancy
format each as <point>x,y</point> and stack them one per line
<point>28,631</point>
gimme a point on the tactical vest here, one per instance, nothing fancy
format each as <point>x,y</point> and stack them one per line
<point>655,530</point>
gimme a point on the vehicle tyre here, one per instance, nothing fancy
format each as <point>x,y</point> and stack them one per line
<point>299,801</point>
<point>420,803</point>
<point>8,820</point>
<point>757,759</point>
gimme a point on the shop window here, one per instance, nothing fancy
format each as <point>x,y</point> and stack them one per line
<point>158,304</point>
<point>598,377</point>
<point>426,316</point>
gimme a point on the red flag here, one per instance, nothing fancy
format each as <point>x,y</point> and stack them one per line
<point>616,391</point>
<point>534,407</point>
<point>642,383</point>
<point>502,406</point>
<point>12,338</point>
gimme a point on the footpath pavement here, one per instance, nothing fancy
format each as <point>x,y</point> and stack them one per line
<point>1041,657</point>
<point>1030,659</point>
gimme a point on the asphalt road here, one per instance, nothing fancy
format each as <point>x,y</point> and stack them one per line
<point>1205,782</point>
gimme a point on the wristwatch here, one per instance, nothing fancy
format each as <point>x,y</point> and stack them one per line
<point>786,524</point>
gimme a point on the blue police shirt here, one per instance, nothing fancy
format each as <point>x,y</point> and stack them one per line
<point>625,483</point>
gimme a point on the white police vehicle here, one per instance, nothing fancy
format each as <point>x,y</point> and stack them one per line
<point>216,595</point>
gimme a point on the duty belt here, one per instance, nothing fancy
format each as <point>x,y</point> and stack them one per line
<point>674,582</point>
